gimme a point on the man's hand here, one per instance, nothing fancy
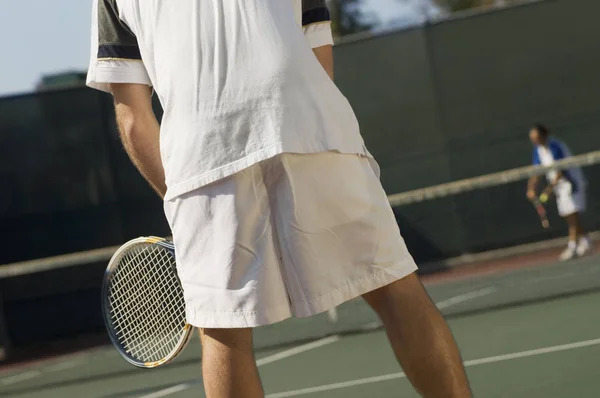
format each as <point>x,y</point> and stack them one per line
<point>531,187</point>
<point>547,193</point>
<point>140,132</point>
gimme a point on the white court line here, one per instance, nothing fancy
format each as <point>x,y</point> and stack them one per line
<point>64,365</point>
<point>400,375</point>
<point>37,373</point>
<point>20,377</point>
<point>169,391</point>
<point>297,350</point>
<point>474,362</point>
<point>64,362</point>
<point>336,386</point>
<point>443,304</point>
<point>466,297</point>
<point>262,361</point>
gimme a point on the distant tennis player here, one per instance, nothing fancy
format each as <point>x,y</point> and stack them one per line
<point>568,186</point>
<point>274,202</point>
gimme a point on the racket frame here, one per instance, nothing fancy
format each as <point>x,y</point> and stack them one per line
<point>541,211</point>
<point>108,275</point>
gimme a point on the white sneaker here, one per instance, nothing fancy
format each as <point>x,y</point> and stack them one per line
<point>568,254</point>
<point>584,247</point>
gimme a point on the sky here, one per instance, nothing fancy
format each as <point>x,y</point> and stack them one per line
<point>41,37</point>
<point>44,37</point>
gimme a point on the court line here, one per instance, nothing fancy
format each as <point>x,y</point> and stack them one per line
<point>444,304</point>
<point>260,362</point>
<point>65,365</point>
<point>44,370</point>
<point>169,391</point>
<point>20,377</point>
<point>297,350</point>
<point>399,375</point>
<point>466,297</point>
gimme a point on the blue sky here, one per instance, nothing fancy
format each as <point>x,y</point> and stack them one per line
<point>40,37</point>
<point>43,37</point>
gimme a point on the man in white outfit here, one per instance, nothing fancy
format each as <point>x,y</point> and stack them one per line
<point>568,186</point>
<point>273,200</point>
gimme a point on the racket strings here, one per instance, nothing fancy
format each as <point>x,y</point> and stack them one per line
<point>157,333</point>
<point>146,303</point>
<point>153,298</point>
<point>130,326</point>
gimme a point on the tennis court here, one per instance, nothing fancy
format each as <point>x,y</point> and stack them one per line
<point>530,331</point>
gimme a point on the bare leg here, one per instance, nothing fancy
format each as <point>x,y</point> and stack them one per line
<point>421,339</point>
<point>228,365</point>
<point>578,239</point>
<point>575,228</point>
<point>579,229</point>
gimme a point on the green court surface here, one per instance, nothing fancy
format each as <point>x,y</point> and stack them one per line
<point>525,333</point>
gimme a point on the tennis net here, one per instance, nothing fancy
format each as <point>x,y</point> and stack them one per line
<point>477,220</point>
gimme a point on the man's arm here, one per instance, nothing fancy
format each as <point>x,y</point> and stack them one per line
<point>116,67</point>
<point>532,186</point>
<point>316,24</point>
<point>325,56</point>
<point>140,132</point>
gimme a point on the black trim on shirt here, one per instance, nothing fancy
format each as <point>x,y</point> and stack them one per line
<point>315,15</point>
<point>115,38</point>
<point>116,51</point>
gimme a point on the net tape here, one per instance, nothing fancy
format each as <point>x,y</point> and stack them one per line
<point>490,180</point>
<point>400,199</point>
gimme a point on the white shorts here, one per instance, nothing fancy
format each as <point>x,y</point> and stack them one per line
<point>292,235</point>
<point>570,202</point>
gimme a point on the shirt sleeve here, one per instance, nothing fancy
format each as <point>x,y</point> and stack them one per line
<point>557,150</point>
<point>115,55</point>
<point>535,157</point>
<point>316,23</point>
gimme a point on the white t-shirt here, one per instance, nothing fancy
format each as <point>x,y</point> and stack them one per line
<point>237,80</point>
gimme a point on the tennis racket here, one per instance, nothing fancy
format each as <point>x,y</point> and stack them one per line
<point>541,211</point>
<point>143,304</point>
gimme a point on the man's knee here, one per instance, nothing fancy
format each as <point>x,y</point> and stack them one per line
<point>572,219</point>
<point>407,291</point>
<point>232,338</point>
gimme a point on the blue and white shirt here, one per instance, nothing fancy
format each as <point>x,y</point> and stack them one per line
<point>553,151</point>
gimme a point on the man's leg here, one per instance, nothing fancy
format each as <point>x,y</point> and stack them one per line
<point>575,232</point>
<point>575,227</point>
<point>420,338</point>
<point>228,365</point>
<point>578,234</point>
<point>575,220</point>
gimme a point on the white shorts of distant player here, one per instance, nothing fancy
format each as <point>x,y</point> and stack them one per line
<point>569,202</point>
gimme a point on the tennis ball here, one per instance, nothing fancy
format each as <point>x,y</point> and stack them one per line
<point>543,198</point>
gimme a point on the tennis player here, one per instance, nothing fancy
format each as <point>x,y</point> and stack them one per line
<point>568,186</point>
<point>274,202</point>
